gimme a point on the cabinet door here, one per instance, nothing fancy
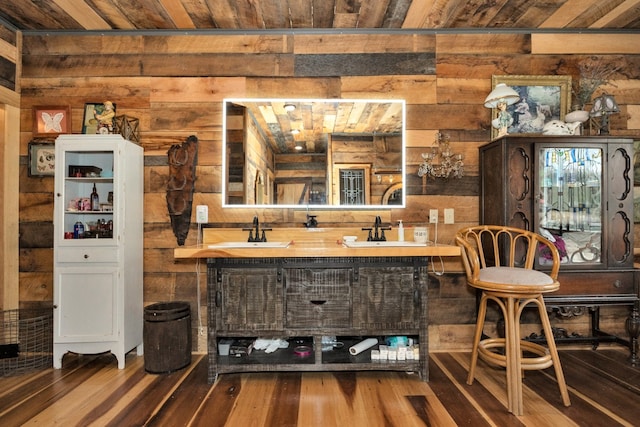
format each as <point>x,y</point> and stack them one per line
<point>81,168</point>
<point>506,183</point>
<point>570,202</point>
<point>619,241</point>
<point>85,304</point>
<point>386,298</point>
<point>250,299</point>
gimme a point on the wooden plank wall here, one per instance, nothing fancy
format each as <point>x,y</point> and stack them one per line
<point>9,159</point>
<point>175,85</point>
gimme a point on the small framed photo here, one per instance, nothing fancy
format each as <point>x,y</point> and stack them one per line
<point>93,112</point>
<point>51,120</point>
<point>542,99</point>
<point>42,159</point>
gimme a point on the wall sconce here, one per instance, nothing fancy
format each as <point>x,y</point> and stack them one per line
<point>299,146</point>
<point>500,97</point>
<point>289,107</point>
<point>604,105</point>
<point>441,162</point>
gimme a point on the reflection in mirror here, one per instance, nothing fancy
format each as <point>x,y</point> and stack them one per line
<point>325,153</point>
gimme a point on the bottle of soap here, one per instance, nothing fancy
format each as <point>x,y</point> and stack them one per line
<point>400,231</point>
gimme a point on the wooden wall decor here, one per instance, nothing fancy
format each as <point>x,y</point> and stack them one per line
<point>182,175</point>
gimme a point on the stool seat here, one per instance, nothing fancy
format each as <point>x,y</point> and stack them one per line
<point>515,280</point>
<point>499,262</point>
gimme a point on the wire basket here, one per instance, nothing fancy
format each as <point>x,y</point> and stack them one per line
<point>26,340</point>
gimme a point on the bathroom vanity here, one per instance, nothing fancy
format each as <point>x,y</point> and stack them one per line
<point>305,287</point>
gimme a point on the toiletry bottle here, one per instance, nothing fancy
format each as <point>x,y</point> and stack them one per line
<point>400,231</point>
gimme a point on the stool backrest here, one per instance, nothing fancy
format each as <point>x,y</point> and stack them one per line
<point>495,245</point>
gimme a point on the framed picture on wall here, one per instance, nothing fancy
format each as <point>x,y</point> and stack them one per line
<point>542,99</point>
<point>42,159</point>
<point>51,120</point>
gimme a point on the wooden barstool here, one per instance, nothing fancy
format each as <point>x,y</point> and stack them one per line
<point>499,261</point>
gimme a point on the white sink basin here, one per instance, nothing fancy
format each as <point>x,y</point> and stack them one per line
<point>243,245</point>
<point>388,243</point>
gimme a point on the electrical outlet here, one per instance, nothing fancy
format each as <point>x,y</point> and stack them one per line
<point>433,216</point>
<point>202,214</point>
<point>448,216</point>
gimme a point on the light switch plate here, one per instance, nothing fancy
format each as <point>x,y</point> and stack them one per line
<point>448,216</point>
<point>202,214</point>
<point>433,216</point>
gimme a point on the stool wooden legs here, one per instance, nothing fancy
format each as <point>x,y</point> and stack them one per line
<point>482,311</point>
<point>551,343</point>
<point>511,306</point>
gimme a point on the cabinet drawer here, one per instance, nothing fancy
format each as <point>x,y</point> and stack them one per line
<point>324,281</point>
<point>306,311</point>
<point>87,255</point>
<point>595,283</point>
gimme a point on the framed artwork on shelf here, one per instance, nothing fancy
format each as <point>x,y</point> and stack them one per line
<point>51,120</point>
<point>542,99</point>
<point>96,115</point>
<point>42,159</point>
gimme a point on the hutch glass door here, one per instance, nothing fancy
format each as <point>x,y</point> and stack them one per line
<point>570,203</point>
<point>85,170</point>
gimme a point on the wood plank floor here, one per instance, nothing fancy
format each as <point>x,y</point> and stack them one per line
<point>90,390</point>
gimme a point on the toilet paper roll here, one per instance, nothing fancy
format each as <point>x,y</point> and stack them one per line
<point>362,346</point>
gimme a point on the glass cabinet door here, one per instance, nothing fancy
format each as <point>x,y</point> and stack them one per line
<point>86,172</point>
<point>570,203</point>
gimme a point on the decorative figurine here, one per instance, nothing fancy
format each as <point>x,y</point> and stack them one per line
<point>105,119</point>
<point>503,121</point>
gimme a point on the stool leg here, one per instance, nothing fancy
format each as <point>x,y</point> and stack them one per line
<point>482,311</point>
<point>553,351</point>
<point>513,355</point>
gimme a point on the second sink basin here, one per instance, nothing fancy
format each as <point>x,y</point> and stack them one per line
<point>243,245</point>
<point>388,243</point>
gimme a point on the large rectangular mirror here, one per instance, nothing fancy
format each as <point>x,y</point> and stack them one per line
<point>321,153</point>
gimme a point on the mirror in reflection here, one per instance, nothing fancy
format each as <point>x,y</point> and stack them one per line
<point>339,153</point>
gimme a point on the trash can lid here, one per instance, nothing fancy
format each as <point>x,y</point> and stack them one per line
<point>163,311</point>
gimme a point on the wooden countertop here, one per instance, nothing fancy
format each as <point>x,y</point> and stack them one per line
<point>311,243</point>
<point>315,250</point>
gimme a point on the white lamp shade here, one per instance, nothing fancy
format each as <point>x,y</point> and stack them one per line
<point>501,93</point>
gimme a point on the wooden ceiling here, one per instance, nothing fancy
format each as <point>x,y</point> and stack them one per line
<point>29,15</point>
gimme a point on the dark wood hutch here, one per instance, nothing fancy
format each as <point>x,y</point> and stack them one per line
<point>579,191</point>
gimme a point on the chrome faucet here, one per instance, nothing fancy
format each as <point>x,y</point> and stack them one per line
<point>258,237</point>
<point>378,231</point>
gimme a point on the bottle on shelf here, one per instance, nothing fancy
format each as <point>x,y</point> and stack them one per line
<point>95,199</point>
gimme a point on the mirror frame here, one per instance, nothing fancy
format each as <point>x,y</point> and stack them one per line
<point>225,170</point>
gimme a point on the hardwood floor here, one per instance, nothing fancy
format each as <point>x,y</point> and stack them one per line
<point>90,390</point>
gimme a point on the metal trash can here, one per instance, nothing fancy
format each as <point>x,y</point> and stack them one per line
<point>167,337</point>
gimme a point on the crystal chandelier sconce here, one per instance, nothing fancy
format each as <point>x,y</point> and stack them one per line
<point>441,162</point>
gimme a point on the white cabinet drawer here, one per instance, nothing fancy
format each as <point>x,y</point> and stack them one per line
<point>87,255</point>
